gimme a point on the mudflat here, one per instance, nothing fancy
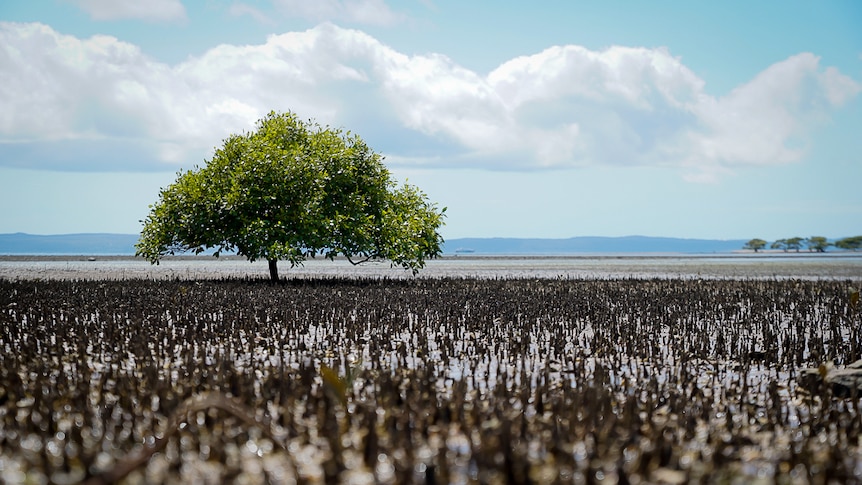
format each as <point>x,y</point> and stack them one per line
<point>449,380</point>
<point>721,266</point>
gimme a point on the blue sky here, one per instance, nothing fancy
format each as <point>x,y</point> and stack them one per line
<point>545,119</point>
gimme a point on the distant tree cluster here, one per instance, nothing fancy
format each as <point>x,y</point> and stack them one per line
<point>815,244</point>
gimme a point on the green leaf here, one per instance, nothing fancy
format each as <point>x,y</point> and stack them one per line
<point>290,190</point>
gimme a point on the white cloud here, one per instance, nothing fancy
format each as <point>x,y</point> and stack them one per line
<point>566,106</point>
<point>158,10</point>
<point>765,121</point>
<point>366,12</point>
<point>240,9</point>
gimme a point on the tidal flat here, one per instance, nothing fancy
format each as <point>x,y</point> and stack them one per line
<point>369,379</point>
<point>780,265</point>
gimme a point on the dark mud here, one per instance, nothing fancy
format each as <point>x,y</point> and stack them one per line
<point>458,380</point>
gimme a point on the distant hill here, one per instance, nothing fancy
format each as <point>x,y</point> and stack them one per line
<point>590,244</point>
<point>101,244</point>
<point>124,244</point>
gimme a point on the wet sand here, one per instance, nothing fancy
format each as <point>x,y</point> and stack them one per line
<point>723,266</point>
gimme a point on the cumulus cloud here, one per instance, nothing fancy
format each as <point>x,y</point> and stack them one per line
<point>157,10</point>
<point>566,106</point>
<point>765,121</point>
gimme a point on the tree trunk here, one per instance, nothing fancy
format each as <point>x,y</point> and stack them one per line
<point>273,270</point>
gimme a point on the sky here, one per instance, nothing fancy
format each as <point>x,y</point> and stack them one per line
<point>551,119</point>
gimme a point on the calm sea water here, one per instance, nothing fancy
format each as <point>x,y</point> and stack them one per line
<point>804,266</point>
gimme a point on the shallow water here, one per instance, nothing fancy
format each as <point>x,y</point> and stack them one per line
<point>733,266</point>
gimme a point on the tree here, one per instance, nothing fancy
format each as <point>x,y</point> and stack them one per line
<point>755,244</point>
<point>291,190</point>
<point>817,243</point>
<point>779,244</point>
<point>794,243</point>
<point>849,243</point>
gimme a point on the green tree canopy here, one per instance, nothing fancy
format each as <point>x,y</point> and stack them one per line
<point>291,190</point>
<point>755,244</point>
<point>794,243</point>
<point>817,244</point>
<point>850,243</point>
<point>779,244</point>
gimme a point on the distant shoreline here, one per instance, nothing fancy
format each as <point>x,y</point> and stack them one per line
<point>111,246</point>
<point>457,257</point>
<point>577,266</point>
